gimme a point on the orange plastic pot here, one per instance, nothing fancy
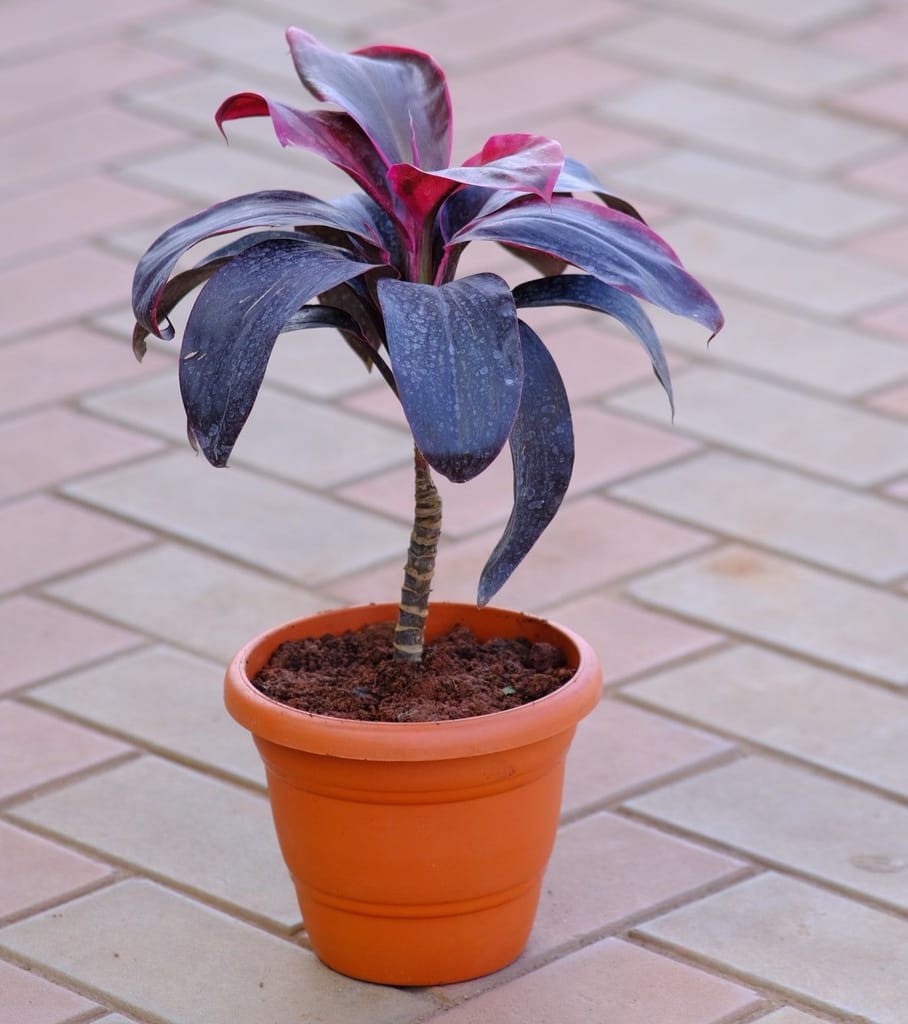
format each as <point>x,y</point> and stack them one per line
<point>417,849</point>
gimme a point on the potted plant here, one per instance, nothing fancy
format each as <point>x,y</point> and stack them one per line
<point>417,847</point>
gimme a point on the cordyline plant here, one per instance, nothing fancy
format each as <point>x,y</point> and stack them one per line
<point>380,266</point>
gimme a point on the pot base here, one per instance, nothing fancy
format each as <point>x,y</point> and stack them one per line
<point>430,945</point>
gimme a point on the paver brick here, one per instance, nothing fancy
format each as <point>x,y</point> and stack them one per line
<point>618,749</point>
<point>791,274</point>
<point>855,533</point>
<point>777,16</point>
<point>37,871</point>
<point>747,127</point>
<point>628,639</point>
<point>165,700</point>
<point>686,46</point>
<point>780,602</point>
<point>830,951</point>
<point>196,832</point>
<point>41,639</point>
<point>30,999</point>
<point>132,943</point>
<point>790,706</point>
<point>605,869</point>
<point>289,436</point>
<point>245,515</point>
<point>790,347</point>
<point>188,598</point>
<point>796,821</point>
<point>36,747</point>
<point>49,367</point>
<point>41,536</point>
<point>42,449</point>
<point>636,985</point>
<point>814,211</point>
<point>805,432</point>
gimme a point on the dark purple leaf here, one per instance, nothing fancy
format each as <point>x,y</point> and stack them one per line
<point>591,293</point>
<point>398,97</point>
<point>577,177</point>
<point>333,135</point>
<point>610,245</point>
<point>258,209</point>
<point>455,353</point>
<point>542,453</point>
<point>233,327</point>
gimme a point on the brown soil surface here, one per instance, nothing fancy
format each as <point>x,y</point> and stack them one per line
<point>354,675</point>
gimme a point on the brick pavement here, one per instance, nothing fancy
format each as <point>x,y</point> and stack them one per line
<point>735,837</point>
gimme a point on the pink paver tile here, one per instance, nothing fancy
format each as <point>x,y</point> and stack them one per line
<point>73,209</point>
<point>630,640</point>
<point>591,542</point>
<point>606,869</point>
<point>889,175</point>
<point>886,102</point>
<point>42,537</point>
<point>451,35</point>
<point>38,24</point>
<point>31,88</point>
<point>893,400</point>
<point>28,999</point>
<point>36,748</point>
<point>879,37</point>
<point>40,639</point>
<point>889,246</point>
<point>55,365</point>
<point>593,361</point>
<point>619,748</point>
<point>62,287</point>
<point>570,78</point>
<point>629,984</point>
<point>607,447</point>
<point>85,141</point>
<point>888,319</point>
<point>36,870</point>
<point>48,447</point>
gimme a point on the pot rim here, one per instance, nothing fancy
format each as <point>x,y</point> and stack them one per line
<point>557,712</point>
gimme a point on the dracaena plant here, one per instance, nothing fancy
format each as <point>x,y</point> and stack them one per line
<point>380,265</point>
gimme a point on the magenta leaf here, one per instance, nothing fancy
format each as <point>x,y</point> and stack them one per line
<point>234,324</point>
<point>609,245</point>
<point>591,293</point>
<point>455,354</point>
<point>333,135</point>
<point>510,163</point>
<point>258,209</point>
<point>399,97</point>
<point>542,453</point>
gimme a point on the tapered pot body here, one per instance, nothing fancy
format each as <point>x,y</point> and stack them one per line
<point>417,849</point>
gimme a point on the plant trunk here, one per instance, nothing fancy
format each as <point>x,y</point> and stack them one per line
<point>420,568</point>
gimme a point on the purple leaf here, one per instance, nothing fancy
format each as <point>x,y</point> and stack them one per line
<point>609,245</point>
<point>455,353</point>
<point>258,209</point>
<point>591,293</point>
<point>542,452</point>
<point>398,97</point>
<point>333,135</point>
<point>577,177</point>
<point>233,327</point>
